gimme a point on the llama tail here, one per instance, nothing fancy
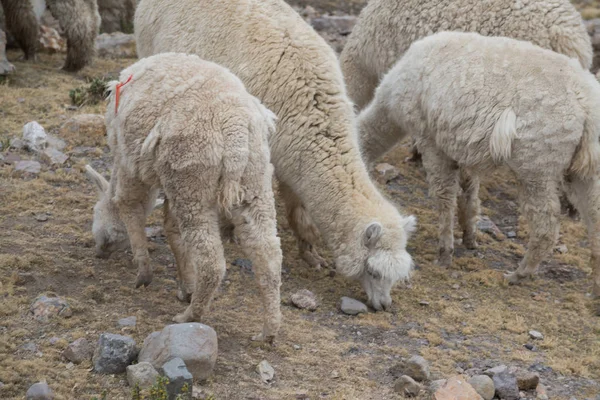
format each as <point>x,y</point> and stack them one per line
<point>503,134</point>
<point>587,156</point>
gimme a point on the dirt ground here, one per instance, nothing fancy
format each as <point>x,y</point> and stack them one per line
<point>457,319</point>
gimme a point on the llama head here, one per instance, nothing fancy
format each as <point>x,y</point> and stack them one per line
<point>379,259</point>
<point>109,231</point>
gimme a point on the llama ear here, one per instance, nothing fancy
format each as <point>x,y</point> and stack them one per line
<point>373,234</point>
<point>97,179</point>
<point>410,225</point>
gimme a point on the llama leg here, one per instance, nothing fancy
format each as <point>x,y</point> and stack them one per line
<point>305,230</point>
<point>585,196</point>
<point>5,66</point>
<point>132,202</point>
<point>415,156</point>
<point>442,175</point>
<point>22,23</point>
<point>468,208</point>
<point>255,226</point>
<point>185,271</point>
<point>204,251</point>
<point>541,208</point>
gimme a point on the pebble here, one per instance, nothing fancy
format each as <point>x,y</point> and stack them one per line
<point>485,224</point>
<point>54,157</point>
<point>114,353</point>
<point>484,385</point>
<point>424,303</point>
<point>11,158</point>
<point>39,391</point>
<point>48,306</point>
<point>179,377</point>
<point>34,136</point>
<point>352,307</point>
<point>29,347</point>
<point>386,172</point>
<point>511,234</point>
<point>417,368</point>
<point>79,351</point>
<point>536,335</point>
<point>562,249</point>
<point>406,386</point>
<point>127,321</point>
<point>496,370</point>
<point>456,388</point>
<point>243,263</point>
<point>529,346</point>
<point>506,386</point>
<point>305,300</point>
<point>195,343</point>
<point>527,380</point>
<point>142,374</point>
<point>29,166</point>
<point>41,217</point>
<point>266,371</point>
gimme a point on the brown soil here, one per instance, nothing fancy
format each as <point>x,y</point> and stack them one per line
<point>481,323</point>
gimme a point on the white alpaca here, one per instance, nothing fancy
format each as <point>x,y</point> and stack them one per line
<point>189,126</point>
<point>314,150</point>
<point>474,103</point>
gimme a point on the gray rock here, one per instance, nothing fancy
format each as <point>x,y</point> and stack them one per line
<point>339,24</point>
<point>17,144</point>
<point>79,351</point>
<point>34,136</point>
<point>527,380</point>
<point>417,368</point>
<point>243,263</point>
<point>180,379</point>
<point>46,307</point>
<point>484,385</point>
<point>305,299</point>
<point>352,307</point>
<point>127,321</point>
<point>195,343</point>
<point>53,340</point>
<point>496,370</point>
<point>29,347</point>
<point>32,167</point>
<point>266,371</point>
<point>485,224</point>
<point>55,142</point>
<point>114,353</point>
<point>536,335</point>
<point>142,374</point>
<point>436,385</point>
<point>511,234</point>
<point>562,249</point>
<point>54,157</point>
<point>386,172</point>
<point>11,158</point>
<point>39,391</point>
<point>406,386</point>
<point>116,44</point>
<point>506,386</point>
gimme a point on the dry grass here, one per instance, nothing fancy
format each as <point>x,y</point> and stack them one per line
<point>482,322</point>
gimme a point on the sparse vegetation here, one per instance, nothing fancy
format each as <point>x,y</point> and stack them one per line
<point>90,94</point>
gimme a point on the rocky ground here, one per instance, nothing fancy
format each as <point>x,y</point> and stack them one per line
<point>461,322</point>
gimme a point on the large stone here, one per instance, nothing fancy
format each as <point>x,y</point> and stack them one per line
<point>536,335</point>
<point>456,388</point>
<point>305,299</point>
<point>266,371</point>
<point>116,45</point>
<point>352,307</point>
<point>417,368</point>
<point>114,353</point>
<point>34,136</point>
<point>406,386</point>
<point>142,374</point>
<point>84,130</point>
<point>180,379</point>
<point>49,306</point>
<point>195,343</point>
<point>39,391</point>
<point>506,386</point>
<point>28,166</point>
<point>484,385</point>
<point>79,351</point>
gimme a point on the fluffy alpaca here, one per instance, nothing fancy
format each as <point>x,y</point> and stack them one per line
<point>79,19</point>
<point>386,28</point>
<point>190,127</point>
<point>287,65</point>
<point>116,15</point>
<point>485,102</point>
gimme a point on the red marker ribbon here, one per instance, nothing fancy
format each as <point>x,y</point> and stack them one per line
<point>118,90</point>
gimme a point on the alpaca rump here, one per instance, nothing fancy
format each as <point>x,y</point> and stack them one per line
<point>486,102</point>
<point>386,28</point>
<point>291,69</point>
<point>188,126</point>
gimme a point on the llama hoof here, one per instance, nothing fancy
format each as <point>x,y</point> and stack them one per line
<point>514,278</point>
<point>312,258</point>
<point>184,296</point>
<point>445,259</point>
<point>143,279</point>
<point>269,339</point>
<point>183,317</point>
<point>6,67</point>
<point>470,244</point>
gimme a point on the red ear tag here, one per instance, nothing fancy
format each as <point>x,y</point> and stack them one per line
<point>118,89</point>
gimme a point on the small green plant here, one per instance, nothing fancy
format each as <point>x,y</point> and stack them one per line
<point>90,94</point>
<point>158,391</point>
<point>102,396</point>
